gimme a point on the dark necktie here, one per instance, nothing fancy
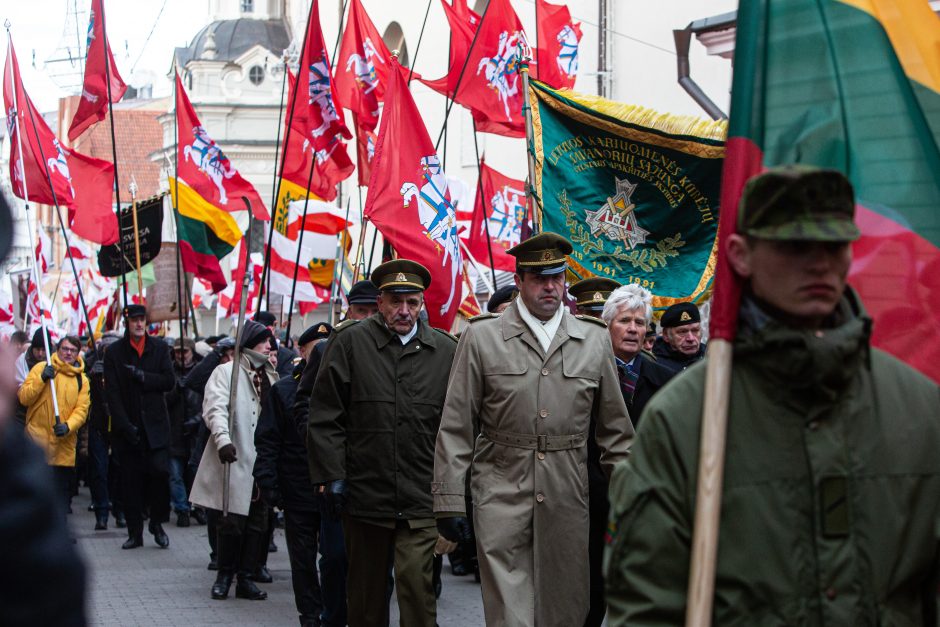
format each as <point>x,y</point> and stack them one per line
<point>628,378</point>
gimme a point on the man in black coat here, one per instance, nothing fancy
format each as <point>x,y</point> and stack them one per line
<point>137,373</point>
<point>282,475</point>
<point>681,344</point>
<point>185,409</point>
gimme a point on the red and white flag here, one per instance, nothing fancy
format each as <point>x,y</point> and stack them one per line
<point>94,102</point>
<point>53,173</point>
<point>503,201</point>
<point>362,73</point>
<point>556,57</point>
<point>81,253</point>
<point>409,202</point>
<point>365,153</point>
<point>463,24</point>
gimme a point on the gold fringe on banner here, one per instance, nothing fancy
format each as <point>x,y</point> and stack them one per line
<point>641,116</point>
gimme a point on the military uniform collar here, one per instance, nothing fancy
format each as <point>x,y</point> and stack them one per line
<point>512,324</point>
<point>383,335</point>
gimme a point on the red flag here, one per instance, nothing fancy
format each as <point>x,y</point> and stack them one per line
<point>409,202</point>
<point>332,162</point>
<point>557,53</point>
<point>365,152</point>
<point>362,73</point>
<point>463,24</point>
<point>491,86</point>
<point>319,116</point>
<point>505,203</point>
<point>80,182</point>
<point>205,168</point>
<point>94,102</point>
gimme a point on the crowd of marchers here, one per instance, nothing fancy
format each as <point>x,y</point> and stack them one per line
<point>551,450</point>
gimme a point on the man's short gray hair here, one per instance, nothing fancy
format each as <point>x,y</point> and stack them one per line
<point>631,296</point>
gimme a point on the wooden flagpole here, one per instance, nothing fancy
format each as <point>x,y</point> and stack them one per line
<point>140,279</point>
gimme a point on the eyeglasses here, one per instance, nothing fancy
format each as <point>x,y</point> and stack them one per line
<point>67,349</point>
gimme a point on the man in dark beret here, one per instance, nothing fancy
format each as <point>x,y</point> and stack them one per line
<point>681,344</point>
<point>137,372</point>
<point>501,298</point>
<point>374,415</point>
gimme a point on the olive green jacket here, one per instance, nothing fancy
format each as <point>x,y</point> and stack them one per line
<point>374,414</point>
<point>831,503</point>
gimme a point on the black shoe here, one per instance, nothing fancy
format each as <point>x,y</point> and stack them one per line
<point>101,520</point>
<point>272,548</point>
<point>262,575</point>
<point>119,521</point>
<point>159,535</point>
<point>199,515</point>
<point>133,542</point>
<point>246,589</point>
<point>182,519</point>
<point>310,622</point>
<point>213,563</point>
<point>221,586</point>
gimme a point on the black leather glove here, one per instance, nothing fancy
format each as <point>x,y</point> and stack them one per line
<point>335,495</point>
<point>97,368</point>
<point>135,372</point>
<point>47,373</point>
<point>132,435</point>
<point>61,430</point>
<point>452,528</point>
<point>227,454</point>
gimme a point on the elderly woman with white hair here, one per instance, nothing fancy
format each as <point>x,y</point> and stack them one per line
<point>627,312</point>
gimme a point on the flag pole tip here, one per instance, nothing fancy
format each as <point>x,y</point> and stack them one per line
<point>7,24</point>
<point>395,53</point>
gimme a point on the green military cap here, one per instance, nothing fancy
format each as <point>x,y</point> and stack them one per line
<point>544,253</point>
<point>592,293</point>
<point>798,202</point>
<point>401,275</point>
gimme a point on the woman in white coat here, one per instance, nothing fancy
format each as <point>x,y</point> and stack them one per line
<point>244,529</point>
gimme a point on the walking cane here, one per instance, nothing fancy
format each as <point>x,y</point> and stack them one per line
<point>233,388</point>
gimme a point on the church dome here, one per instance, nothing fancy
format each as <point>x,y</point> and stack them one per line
<point>229,39</point>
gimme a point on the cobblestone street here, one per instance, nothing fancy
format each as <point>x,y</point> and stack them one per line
<point>150,586</point>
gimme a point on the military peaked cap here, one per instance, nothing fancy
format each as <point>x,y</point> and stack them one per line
<point>680,314</point>
<point>402,276</point>
<point>545,253</point>
<point>799,202</point>
<point>593,293</point>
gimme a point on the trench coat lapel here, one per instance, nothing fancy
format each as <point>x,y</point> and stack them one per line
<point>514,326</point>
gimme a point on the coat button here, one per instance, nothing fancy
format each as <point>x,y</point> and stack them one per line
<point>812,425</point>
<point>544,372</point>
<point>543,413</point>
<point>418,347</point>
<point>830,593</point>
<point>539,497</point>
<point>541,455</point>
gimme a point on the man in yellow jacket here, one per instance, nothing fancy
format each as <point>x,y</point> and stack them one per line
<point>58,439</point>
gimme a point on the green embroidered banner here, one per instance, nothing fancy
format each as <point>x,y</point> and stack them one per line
<point>635,191</point>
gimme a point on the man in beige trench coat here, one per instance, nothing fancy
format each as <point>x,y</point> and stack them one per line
<point>523,390</point>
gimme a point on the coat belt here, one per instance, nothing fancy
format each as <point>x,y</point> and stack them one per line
<point>540,443</point>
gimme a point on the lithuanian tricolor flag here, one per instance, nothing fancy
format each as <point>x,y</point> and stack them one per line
<point>211,198</point>
<point>852,85</point>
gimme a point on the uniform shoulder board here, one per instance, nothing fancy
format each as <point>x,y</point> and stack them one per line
<point>649,355</point>
<point>443,332</point>
<point>596,321</point>
<point>484,316</point>
<point>345,324</point>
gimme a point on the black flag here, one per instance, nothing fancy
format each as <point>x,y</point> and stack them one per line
<point>150,225</point>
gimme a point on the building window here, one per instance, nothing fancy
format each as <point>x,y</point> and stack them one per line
<point>395,40</point>
<point>248,6</point>
<point>256,74</point>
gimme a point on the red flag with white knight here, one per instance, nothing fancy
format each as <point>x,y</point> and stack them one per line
<point>491,86</point>
<point>205,168</point>
<point>320,119</point>
<point>504,202</point>
<point>93,104</point>
<point>365,153</point>
<point>79,182</point>
<point>362,73</point>
<point>409,202</point>
<point>463,24</point>
<point>556,56</point>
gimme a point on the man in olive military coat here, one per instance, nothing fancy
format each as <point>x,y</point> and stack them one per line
<point>374,416</point>
<point>524,389</point>
<point>829,508</point>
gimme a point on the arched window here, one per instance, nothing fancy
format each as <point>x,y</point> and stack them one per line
<point>394,39</point>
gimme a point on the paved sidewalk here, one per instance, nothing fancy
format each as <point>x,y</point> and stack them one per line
<point>150,586</point>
